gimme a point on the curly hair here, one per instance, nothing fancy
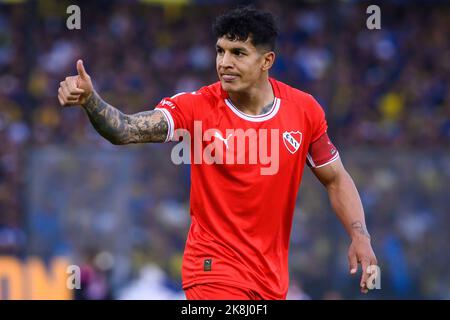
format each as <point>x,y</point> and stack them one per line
<point>247,22</point>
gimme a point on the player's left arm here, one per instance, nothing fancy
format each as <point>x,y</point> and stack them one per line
<point>347,205</point>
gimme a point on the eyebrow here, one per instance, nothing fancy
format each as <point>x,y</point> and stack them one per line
<point>233,48</point>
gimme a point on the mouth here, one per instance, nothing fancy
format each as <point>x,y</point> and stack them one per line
<point>229,77</point>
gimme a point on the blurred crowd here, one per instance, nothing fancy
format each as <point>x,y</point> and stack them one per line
<point>385,93</point>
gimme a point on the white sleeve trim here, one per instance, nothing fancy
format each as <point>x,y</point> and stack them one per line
<point>336,156</point>
<point>311,162</point>
<point>169,119</point>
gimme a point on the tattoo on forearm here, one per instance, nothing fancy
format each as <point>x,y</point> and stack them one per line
<point>119,128</point>
<point>360,228</point>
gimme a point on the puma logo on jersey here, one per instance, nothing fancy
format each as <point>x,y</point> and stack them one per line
<point>292,140</point>
<point>225,141</point>
<point>243,147</point>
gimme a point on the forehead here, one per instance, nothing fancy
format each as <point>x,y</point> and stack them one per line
<point>228,44</point>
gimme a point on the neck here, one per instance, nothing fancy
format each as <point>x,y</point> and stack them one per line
<point>254,100</point>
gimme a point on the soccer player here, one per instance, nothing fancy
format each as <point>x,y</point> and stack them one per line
<point>242,207</point>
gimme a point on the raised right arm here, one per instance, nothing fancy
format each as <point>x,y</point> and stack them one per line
<point>120,128</point>
<point>111,123</point>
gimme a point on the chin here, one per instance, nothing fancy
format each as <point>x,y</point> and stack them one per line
<point>230,87</point>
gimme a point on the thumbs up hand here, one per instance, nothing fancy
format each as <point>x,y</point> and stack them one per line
<point>75,90</point>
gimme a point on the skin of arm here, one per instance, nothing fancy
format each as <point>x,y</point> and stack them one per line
<point>347,205</point>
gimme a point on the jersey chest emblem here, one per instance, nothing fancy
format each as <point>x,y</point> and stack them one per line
<point>292,140</point>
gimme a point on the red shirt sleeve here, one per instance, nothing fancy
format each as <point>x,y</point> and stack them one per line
<point>179,111</point>
<point>321,150</point>
<point>319,123</point>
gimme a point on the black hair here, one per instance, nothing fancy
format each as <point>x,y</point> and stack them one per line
<point>247,22</point>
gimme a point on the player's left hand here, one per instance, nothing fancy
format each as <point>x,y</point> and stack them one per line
<point>360,252</point>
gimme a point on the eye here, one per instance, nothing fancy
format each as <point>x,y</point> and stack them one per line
<point>219,50</point>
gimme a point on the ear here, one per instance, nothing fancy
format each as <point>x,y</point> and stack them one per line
<point>268,60</point>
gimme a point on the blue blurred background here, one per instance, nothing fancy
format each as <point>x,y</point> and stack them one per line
<point>122,212</point>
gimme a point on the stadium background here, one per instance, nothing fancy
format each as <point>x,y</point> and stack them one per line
<point>121,212</point>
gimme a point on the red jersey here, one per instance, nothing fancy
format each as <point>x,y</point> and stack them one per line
<point>242,207</point>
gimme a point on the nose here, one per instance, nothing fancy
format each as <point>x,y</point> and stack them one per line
<point>225,61</point>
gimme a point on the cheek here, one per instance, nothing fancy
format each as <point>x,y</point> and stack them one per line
<point>217,63</point>
<point>252,70</point>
